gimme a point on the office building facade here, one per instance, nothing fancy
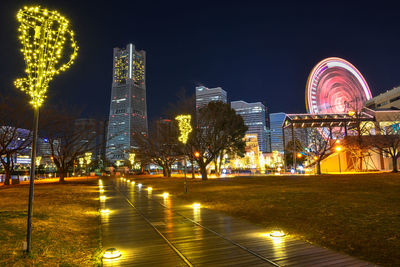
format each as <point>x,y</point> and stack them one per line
<point>253,115</point>
<point>205,95</point>
<point>276,121</point>
<point>388,100</point>
<point>128,110</point>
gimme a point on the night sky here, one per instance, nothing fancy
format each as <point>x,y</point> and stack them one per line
<point>255,50</point>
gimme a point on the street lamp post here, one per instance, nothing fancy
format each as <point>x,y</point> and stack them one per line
<point>185,129</point>
<point>42,35</point>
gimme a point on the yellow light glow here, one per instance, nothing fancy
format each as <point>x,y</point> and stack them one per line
<point>43,34</point>
<point>184,127</point>
<point>277,233</point>
<point>149,188</point>
<point>338,148</point>
<point>101,190</point>
<point>88,157</point>
<point>196,205</point>
<point>102,198</point>
<point>132,182</point>
<point>111,253</point>
<point>132,158</point>
<point>165,195</point>
<point>351,113</point>
<point>105,211</point>
<point>101,186</point>
<point>139,185</point>
<point>38,160</point>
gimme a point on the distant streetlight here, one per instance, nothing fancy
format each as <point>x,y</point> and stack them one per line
<point>42,35</point>
<point>185,129</point>
<point>338,149</point>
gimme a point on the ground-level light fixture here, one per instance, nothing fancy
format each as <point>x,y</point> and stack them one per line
<point>101,190</point>
<point>133,182</point>
<point>165,195</point>
<point>277,233</point>
<point>149,188</point>
<point>102,198</point>
<point>111,253</point>
<point>105,211</point>
<point>101,186</point>
<point>139,185</point>
<point>196,205</point>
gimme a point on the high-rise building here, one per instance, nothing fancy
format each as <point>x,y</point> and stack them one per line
<point>128,111</point>
<point>254,117</point>
<point>205,95</point>
<point>387,100</point>
<point>92,134</point>
<point>276,121</point>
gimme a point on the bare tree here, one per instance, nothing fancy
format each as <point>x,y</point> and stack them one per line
<point>14,139</point>
<point>161,147</point>
<point>67,142</point>
<point>319,146</point>
<point>386,141</point>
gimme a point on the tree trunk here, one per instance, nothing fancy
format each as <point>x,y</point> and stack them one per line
<point>318,167</point>
<point>164,171</point>
<point>203,171</point>
<point>62,175</point>
<point>394,160</point>
<point>169,171</point>
<point>7,174</point>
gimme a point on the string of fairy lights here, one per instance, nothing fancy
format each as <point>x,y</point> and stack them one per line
<point>43,36</point>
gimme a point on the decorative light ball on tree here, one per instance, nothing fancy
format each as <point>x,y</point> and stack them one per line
<point>43,35</point>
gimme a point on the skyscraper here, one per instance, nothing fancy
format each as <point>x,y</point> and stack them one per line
<point>205,95</point>
<point>128,111</point>
<point>254,117</point>
<point>276,121</point>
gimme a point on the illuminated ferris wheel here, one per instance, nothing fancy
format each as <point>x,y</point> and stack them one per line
<point>335,86</point>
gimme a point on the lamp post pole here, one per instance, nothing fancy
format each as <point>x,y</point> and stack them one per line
<point>184,160</point>
<point>32,179</point>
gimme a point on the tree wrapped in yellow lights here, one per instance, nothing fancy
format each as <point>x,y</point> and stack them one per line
<point>43,35</point>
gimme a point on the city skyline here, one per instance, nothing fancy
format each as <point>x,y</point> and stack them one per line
<point>257,53</point>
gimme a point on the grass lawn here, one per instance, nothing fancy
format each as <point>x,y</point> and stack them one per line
<point>65,227</point>
<point>355,214</point>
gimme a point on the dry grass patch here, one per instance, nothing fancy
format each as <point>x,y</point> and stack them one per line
<point>65,227</point>
<point>356,214</point>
